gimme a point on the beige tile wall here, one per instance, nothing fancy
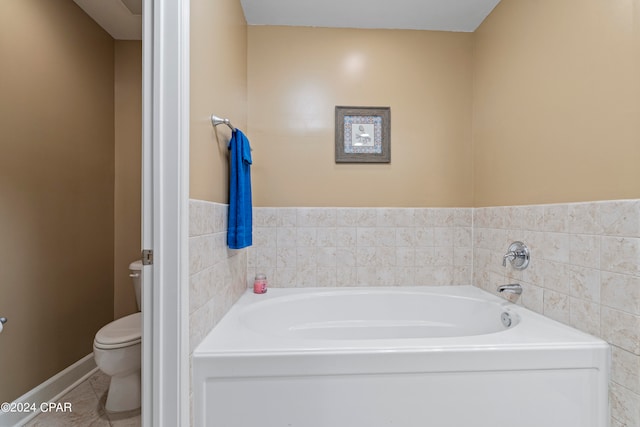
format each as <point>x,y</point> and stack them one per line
<point>584,271</point>
<point>216,274</point>
<point>362,246</point>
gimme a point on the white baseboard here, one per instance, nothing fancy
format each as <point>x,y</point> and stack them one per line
<point>50,390</point>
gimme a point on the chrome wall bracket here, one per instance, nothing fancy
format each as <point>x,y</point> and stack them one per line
<point>518,255</point>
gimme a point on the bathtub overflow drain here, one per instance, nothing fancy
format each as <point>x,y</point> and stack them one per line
<point>506,319</point>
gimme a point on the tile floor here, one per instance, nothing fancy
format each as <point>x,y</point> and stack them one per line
<point>87,402</point>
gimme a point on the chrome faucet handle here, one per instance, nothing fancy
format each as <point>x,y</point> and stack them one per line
<point>512,288</point>
<point>510,255</point>
<point>518,255</point>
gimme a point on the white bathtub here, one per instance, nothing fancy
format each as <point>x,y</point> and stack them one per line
<point>411,356</point>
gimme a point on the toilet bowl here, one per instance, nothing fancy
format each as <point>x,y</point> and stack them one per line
<point>117,352</point>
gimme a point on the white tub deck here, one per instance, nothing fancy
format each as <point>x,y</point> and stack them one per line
<point>373,357</point>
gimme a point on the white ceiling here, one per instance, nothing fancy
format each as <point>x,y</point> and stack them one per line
<point>440,15</point>
<point>123,18</point>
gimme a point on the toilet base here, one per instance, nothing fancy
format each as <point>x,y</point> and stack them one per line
<point>124,393</point>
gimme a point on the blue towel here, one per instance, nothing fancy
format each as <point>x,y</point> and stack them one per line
<point>240,219</point>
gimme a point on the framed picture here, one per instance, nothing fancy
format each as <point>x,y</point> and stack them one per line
<point>363,134</point>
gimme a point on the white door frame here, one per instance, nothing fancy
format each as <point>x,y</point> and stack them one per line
<point>165,211</point>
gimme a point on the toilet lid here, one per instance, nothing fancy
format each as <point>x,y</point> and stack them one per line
<point>122,332</point>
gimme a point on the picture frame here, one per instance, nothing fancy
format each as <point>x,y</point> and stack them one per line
<point>363,134</point>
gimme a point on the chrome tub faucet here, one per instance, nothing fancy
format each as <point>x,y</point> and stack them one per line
<point>512,288</point>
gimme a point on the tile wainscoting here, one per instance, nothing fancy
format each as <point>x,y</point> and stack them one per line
<point>217,274</point>
<point>362,246</point>
<point>584,271</point>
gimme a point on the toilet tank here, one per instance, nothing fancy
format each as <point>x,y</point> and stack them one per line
<point>136,275</point>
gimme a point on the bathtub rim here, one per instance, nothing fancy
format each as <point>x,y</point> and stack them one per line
<point>249,313</point>
<point>534,331</point>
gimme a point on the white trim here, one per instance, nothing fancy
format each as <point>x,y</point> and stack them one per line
<point>51,390</point>
<point>147,410</point>
<point>166,213</point>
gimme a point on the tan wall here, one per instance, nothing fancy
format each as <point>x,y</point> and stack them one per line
<point>56,188</point>
<point>557,102</point>
<point>218,86</point>
<point>298,75</point>
<point>128,165</point>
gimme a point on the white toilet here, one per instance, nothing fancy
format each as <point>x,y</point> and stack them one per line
<point>117,351</point>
